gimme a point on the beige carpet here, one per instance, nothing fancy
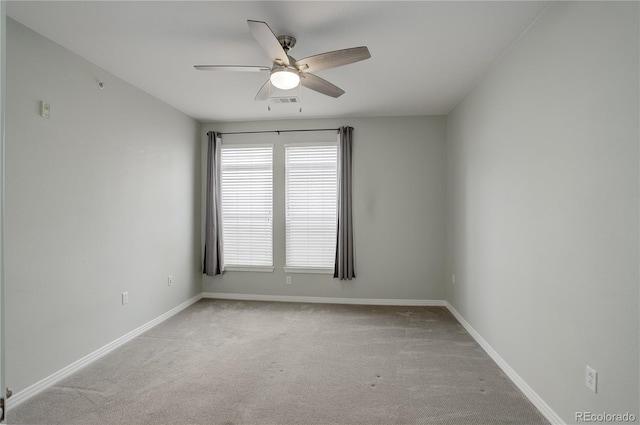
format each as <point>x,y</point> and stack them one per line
<point>242,362</point>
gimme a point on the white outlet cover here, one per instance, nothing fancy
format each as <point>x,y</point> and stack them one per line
<point>591,379</point>
<point>45,109</point>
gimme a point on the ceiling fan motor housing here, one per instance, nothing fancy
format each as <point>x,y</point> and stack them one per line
<point>287,42</point>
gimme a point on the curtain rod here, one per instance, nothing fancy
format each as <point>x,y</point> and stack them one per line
<point>280,131</point>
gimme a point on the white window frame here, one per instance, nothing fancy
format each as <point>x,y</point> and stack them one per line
<point>308,269</point>
<point>246,268</point>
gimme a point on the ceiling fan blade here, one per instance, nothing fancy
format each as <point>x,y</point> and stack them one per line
<point>320,85</point>
<point>333,59</point>
<point>268,41</point>
<point>239,68</point>
<point>263,93</point>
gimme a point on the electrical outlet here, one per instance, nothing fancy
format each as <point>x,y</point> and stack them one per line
<point>591,379</point>
<point>453,279</point>
<point>125,298</point>
<point>288,280</point>
<point>170,280</point>
<point>45,109</point>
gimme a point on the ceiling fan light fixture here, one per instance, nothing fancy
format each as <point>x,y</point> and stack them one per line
<point>284,78</point>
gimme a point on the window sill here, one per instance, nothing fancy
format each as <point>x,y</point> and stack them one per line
<point>261,269</point>
<point>313,270</point>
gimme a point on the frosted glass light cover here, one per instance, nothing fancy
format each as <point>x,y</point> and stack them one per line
<point>285,79</point>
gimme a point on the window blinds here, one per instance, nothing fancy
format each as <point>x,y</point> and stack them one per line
<point>311,205</point>
<point>246,183</point>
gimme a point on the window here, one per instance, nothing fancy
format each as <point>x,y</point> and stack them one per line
<point>246,187</point>
<point>311,206</point>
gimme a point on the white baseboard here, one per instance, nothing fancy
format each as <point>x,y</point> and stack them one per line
<point>324,300</point>
<point>47,382</point>
<point>533,397</point>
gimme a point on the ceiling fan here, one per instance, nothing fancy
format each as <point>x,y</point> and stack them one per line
<point>287,72</point>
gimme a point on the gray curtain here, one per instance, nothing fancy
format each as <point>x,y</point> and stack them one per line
<point>212,225</point>
<point>344,268</point>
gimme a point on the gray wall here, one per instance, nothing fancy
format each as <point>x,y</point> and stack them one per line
<point>101,198</point>
<point>399,206</point>
<point>543,206</point>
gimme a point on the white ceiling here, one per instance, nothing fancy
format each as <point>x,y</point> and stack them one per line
<point>426,55</point>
